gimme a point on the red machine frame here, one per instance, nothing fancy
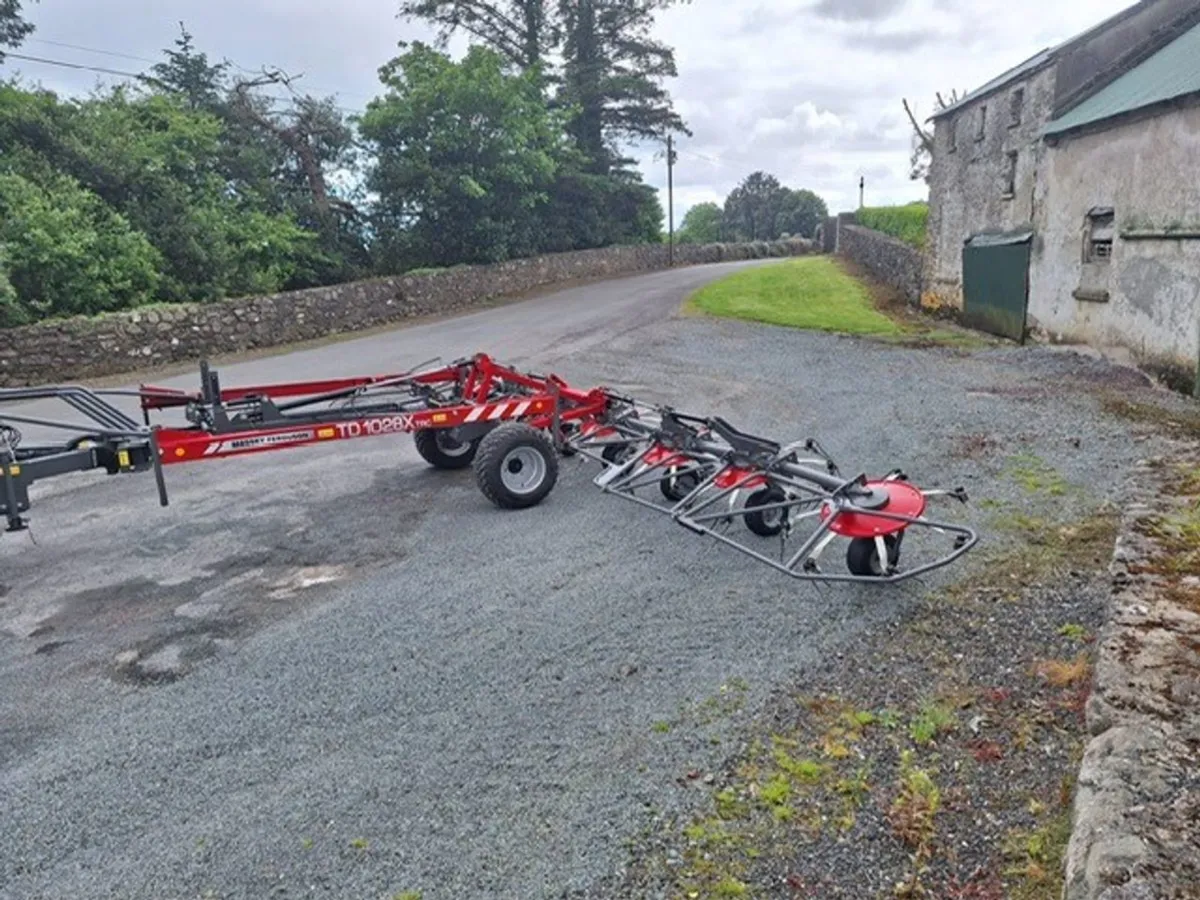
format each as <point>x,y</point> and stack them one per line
<point>512,427</point>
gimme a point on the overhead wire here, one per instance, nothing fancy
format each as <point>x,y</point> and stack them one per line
<point>78,66</point>
<point>103,70</point>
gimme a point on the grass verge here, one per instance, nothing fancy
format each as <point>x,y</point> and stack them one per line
<point>811,293</point>
<point>820,293</point>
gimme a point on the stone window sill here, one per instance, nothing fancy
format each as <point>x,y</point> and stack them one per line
<point>1090,296</point>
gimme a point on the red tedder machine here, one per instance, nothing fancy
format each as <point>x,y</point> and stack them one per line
<point>512,427</point>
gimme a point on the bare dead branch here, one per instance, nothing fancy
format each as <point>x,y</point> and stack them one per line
<point>923,136</point>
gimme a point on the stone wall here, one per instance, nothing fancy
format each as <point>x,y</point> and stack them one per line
<point>1138,796</point>
<point>70,349</point>
<point>890,261</point>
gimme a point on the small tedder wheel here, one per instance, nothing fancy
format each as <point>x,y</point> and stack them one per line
<point>765,522</point>
<point>862,556</point>
<point>516,466</point>
<point>615,454</point>
<point>677,487</point>
<point>443,450</point>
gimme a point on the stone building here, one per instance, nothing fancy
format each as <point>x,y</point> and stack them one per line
<point>1064,194</point>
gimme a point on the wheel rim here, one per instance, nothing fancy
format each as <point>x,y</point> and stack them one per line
<point>450,445</point>
<point>683,484</point>
<point>772,518</point>
<point>876,564</point>
<point>523,470</point>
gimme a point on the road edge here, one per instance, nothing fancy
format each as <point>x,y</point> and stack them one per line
<point>182,367</point>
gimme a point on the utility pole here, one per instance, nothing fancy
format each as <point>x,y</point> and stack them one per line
<point>670,201</point>
<point>862,190</point>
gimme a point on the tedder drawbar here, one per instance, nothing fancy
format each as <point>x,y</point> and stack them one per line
<point>783,505</point>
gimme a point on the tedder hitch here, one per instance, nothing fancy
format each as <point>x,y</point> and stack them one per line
<point>748,492</point>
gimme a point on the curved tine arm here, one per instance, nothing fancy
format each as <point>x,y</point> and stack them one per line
<point>76,427</point>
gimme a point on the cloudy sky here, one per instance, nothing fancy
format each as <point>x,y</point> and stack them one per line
<point>809,90</point>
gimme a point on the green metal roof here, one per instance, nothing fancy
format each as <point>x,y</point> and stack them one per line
<point>1174,71</point>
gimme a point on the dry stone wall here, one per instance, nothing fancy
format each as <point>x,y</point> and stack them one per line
<point>890,261</point>
<point>1134,834</point>
<point>69,349</point>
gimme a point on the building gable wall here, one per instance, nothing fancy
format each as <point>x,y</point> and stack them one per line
<point>969,176</point>
<point>1146,297</point>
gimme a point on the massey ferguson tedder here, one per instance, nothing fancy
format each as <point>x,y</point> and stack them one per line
<point>782,505</point>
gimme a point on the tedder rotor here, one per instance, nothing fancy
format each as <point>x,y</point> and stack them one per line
<point>748,492</point>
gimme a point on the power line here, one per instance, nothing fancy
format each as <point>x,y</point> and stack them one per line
<point>96,50</point>
<point>135,75</point>
<point>79,66</point>
<point>119,55</point>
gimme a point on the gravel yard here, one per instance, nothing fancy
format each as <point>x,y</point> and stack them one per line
<point>335,676</point>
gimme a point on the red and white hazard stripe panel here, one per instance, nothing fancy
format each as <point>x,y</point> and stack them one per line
<point>490,412</point>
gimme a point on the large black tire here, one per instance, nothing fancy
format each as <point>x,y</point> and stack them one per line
<point>442,451</point>
<point>516,466</point>
<point>765,523</point>
<point>862,556</point>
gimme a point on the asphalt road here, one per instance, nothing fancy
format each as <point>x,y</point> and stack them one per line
<point>333,672</point>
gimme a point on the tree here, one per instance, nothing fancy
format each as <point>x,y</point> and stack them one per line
<point>162,167</point>
<point>922,141</point>
<point>762,209</point>
<point>800,212</point>
<point>701,225</point>
<point>13,28</point>
<point>611,70</point>
<point>187,74</point>
<point>312,130</point>
<point>752,208</point>
<point>277,155</point>
<point>522,31</point>
<point>612,74</point>
<point>67,252</point>
<point>10,308</point>
<point>464,156</point>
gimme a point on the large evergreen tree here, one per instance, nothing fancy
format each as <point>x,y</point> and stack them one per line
<point>187,73</point>
<point>612,76</point>
<point>523,32</point>
<point>611,72</point>
<point>762,209</point>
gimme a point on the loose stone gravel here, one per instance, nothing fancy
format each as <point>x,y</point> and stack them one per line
<point>483,705</point>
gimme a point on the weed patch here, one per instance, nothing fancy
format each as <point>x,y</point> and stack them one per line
<point>1181,424</point>
<point>874,781</point>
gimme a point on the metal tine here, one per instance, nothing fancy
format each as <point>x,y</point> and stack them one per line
<point>97,409</point>
<point>78,398</point>
<point>73,426</point>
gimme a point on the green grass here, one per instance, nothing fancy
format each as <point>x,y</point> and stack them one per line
<point>907,223</point>
<point>811,293</point>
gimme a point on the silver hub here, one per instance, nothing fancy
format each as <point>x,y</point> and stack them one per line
<point>450,445</point>
<point>523,470</point>
<point>772,518</point>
